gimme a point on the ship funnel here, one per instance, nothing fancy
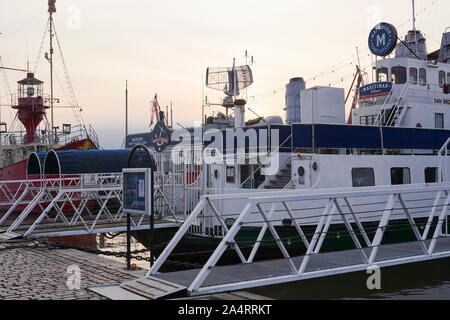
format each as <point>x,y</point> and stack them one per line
<point>444,53</point>
<point>416,43</point>
<point>293,108</point>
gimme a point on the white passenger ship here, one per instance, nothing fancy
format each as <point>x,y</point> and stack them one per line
<point>399,134</point>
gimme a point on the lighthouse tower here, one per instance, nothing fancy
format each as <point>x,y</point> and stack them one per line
<point>30,105</point>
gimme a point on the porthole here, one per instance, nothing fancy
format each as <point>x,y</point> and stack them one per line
<point>301,172</point>
<point>230,222</point>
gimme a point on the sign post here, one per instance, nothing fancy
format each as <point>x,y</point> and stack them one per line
<point>137,199</point>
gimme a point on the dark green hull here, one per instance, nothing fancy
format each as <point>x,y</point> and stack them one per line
<point>338,238</point>
<point>197,249</point>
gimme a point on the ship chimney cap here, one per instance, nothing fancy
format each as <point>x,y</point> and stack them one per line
<point>297,79</point>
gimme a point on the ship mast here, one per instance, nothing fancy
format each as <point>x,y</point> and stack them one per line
<point>414,25</point>
<point>51,10</point>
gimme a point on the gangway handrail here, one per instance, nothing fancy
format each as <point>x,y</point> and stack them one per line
<point>262,185</point>
<point>399,104</point>
<point>64,206</point>
<point>381,113</point>
<point>261,165</point>
<point>347,214</point>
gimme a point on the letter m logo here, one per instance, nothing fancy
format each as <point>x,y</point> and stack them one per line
<point>381,40</point>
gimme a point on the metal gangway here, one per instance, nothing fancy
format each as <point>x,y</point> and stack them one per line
<point>68,205</point>
<point>366,214</point>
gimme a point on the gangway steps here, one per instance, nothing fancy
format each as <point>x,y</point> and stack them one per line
<point>244,276</point>
<point>152,288</point>
<point>5,236</point>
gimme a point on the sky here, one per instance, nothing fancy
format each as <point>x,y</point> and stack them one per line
<point>164,47</point>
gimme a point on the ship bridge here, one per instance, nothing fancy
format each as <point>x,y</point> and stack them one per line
<point>410,90</point>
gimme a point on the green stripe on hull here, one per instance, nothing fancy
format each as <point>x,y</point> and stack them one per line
<point>338,238</point>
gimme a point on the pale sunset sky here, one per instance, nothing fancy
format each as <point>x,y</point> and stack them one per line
<point>165,47</point>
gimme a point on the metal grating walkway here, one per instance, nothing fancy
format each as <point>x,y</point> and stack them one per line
<point>323,264</point>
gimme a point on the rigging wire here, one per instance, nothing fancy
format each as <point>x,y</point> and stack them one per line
<point>6,84</point>
<point>419,13</point>
<point>38,59</point>
<point>28,21</point>
<point>76,112</point>
<point>347,62</point>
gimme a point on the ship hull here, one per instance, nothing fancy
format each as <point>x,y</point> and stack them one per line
<point>18,171</point>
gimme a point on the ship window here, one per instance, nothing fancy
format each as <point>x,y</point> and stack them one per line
<point>398,75</point>
<point>382,74</point>
<point>439,120</point>
<point>251,175</point>
<point>400,176</point>
<point>441,79</point>
<point>230,174</point>
<point>363,177</point>
<point>431,175</point>
<point>367,120</point>
<point>363,120</point>
<point>423,77</point>
<point>413,76</point>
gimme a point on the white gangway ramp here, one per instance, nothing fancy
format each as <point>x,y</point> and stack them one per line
<point>365,213</point>
<point>74,204</point>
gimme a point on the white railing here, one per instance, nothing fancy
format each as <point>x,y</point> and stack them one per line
<point>78,132</point>
<point>73,205</point>
<point>443,162</point>
<point>276,153</point>
<point>269,177</point>
<point>399,109</point>
<point>400,99</point>
<point>387,102</point>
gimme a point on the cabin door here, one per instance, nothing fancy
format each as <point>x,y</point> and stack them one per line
<point>216,176</point>
<point>301,173</point>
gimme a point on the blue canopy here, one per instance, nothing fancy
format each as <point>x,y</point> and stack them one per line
<point>35,163</point>
<point>90,161</point>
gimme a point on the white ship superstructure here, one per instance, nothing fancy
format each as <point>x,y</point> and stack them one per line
<point>398,135</point>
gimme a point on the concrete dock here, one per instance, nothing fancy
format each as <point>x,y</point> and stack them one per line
<point>31,272</point>
<point>43,274</point>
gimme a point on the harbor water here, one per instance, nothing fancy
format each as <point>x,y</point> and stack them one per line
<point>418,281</point>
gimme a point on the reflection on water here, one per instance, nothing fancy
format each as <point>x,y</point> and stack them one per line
<point>118,243</point>
<point>422,281</point>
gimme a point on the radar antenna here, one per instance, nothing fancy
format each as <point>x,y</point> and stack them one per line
<point>231,81</point>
